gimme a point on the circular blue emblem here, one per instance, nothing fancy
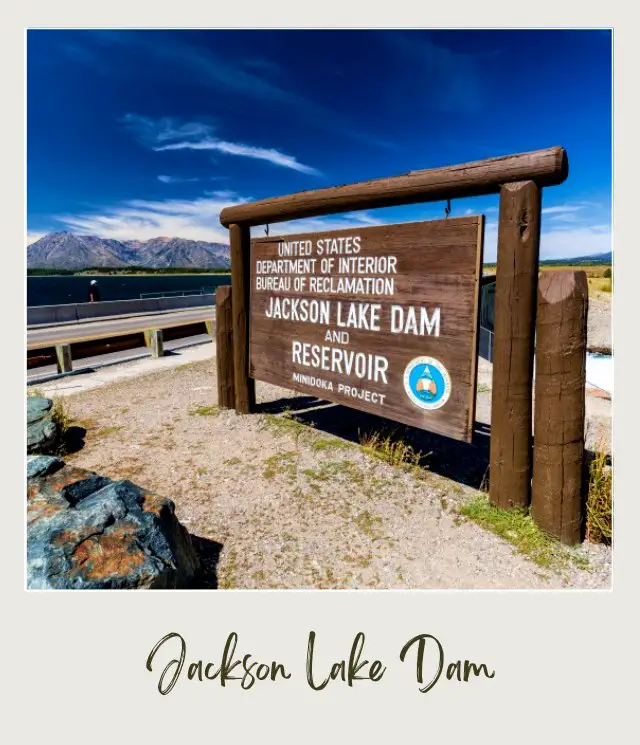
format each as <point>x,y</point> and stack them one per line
<point>427,383</point>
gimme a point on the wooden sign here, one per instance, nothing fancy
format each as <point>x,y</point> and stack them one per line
<point>382,319</point>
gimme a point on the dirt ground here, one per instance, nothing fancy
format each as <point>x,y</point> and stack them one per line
<point>280,503</point>
<point>599,336</point>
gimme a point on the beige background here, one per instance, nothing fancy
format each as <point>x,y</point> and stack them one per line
<point>565,662</point>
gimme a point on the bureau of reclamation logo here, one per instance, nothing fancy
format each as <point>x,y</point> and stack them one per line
<point>427,383</point>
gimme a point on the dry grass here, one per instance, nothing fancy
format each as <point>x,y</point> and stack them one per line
<point>61,415</point>
<point>204,411</point>
<point>600,499</point>
<point>592,271</point>
<point>599,284</point>
<point>598,275</point>
<point>396,452</point>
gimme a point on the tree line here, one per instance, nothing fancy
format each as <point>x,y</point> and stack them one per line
<point>124,270</point>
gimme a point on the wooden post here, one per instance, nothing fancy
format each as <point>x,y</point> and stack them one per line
<point>63,358</point>
<point>561,353</point>
<point>154,340</point>
<point>224,348</point>
<point>514,334</point>
<point>245,394</point>
<point>545,167</point>
<point>209,325</point>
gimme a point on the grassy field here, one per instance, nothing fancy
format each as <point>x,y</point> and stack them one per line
<point>599,285</point>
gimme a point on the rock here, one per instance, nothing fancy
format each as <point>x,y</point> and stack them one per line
<point>41,465</point>
<point>85,531</point>
<point>42,430</point>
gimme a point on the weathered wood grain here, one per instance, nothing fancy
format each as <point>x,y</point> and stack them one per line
<point>544,167</point>
<point>224,348</point>
<point>475,344</point>
<point>438,265</point>
<point>239,240</point>
<point>513,344</point>
<point>561,350</point>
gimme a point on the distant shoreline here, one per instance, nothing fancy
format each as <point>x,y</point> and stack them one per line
<point>557,264</point>
<point>124,272</point>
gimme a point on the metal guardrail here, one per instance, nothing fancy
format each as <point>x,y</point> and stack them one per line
<point>172,293</point>
<point>485,347</point>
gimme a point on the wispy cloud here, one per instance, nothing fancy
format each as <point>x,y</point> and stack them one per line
<point>359,219</point>
<point>203,67</point>
<point>567,213</point>
<point>176,180</point>
<point>565,217</point>
<point>558,242</point>
<point>574,242</point>
<point>152,132</point>
<point>562,209</point>
<point>245,151</point>
<point>453,81</point>
<point>198,219</point>
<point>169,134</point>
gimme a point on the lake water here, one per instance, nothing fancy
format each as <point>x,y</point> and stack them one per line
<point>58,290</point>
<point>600,371</point>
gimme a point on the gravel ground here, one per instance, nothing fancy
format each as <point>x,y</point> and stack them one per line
<point>279,505</point>
<point>599,323</point>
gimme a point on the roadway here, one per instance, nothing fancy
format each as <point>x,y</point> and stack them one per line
<point>97,362</point>
<point>48,335</point>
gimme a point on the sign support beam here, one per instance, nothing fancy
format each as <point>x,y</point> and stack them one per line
<point>245,392</point>
<point>561,353</point>
<point>513,345</point>
<point>224,348</point>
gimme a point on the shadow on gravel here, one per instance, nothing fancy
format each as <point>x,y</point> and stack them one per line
<point>289,404</point>
<point>73,440</point>
<point>209,551</point>
<point>460,461</point>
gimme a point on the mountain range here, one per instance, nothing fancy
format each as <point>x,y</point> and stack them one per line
<point>70,251</point>
<point>604,258</point>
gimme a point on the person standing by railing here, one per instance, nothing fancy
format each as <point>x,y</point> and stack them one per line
<point>94,292</point>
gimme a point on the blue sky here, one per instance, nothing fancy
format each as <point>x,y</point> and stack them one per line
<point>136,134</point>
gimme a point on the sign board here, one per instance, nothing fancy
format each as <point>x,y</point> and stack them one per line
<point>383,319</point>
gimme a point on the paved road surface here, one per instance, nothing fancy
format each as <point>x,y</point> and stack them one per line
<point>83,366</point>
<point>69,333</point>
<point>88,378</point>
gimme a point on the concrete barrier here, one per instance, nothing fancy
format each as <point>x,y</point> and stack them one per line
<point>154,340</point>
<point>74,312</point>
<point>51,314</point>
